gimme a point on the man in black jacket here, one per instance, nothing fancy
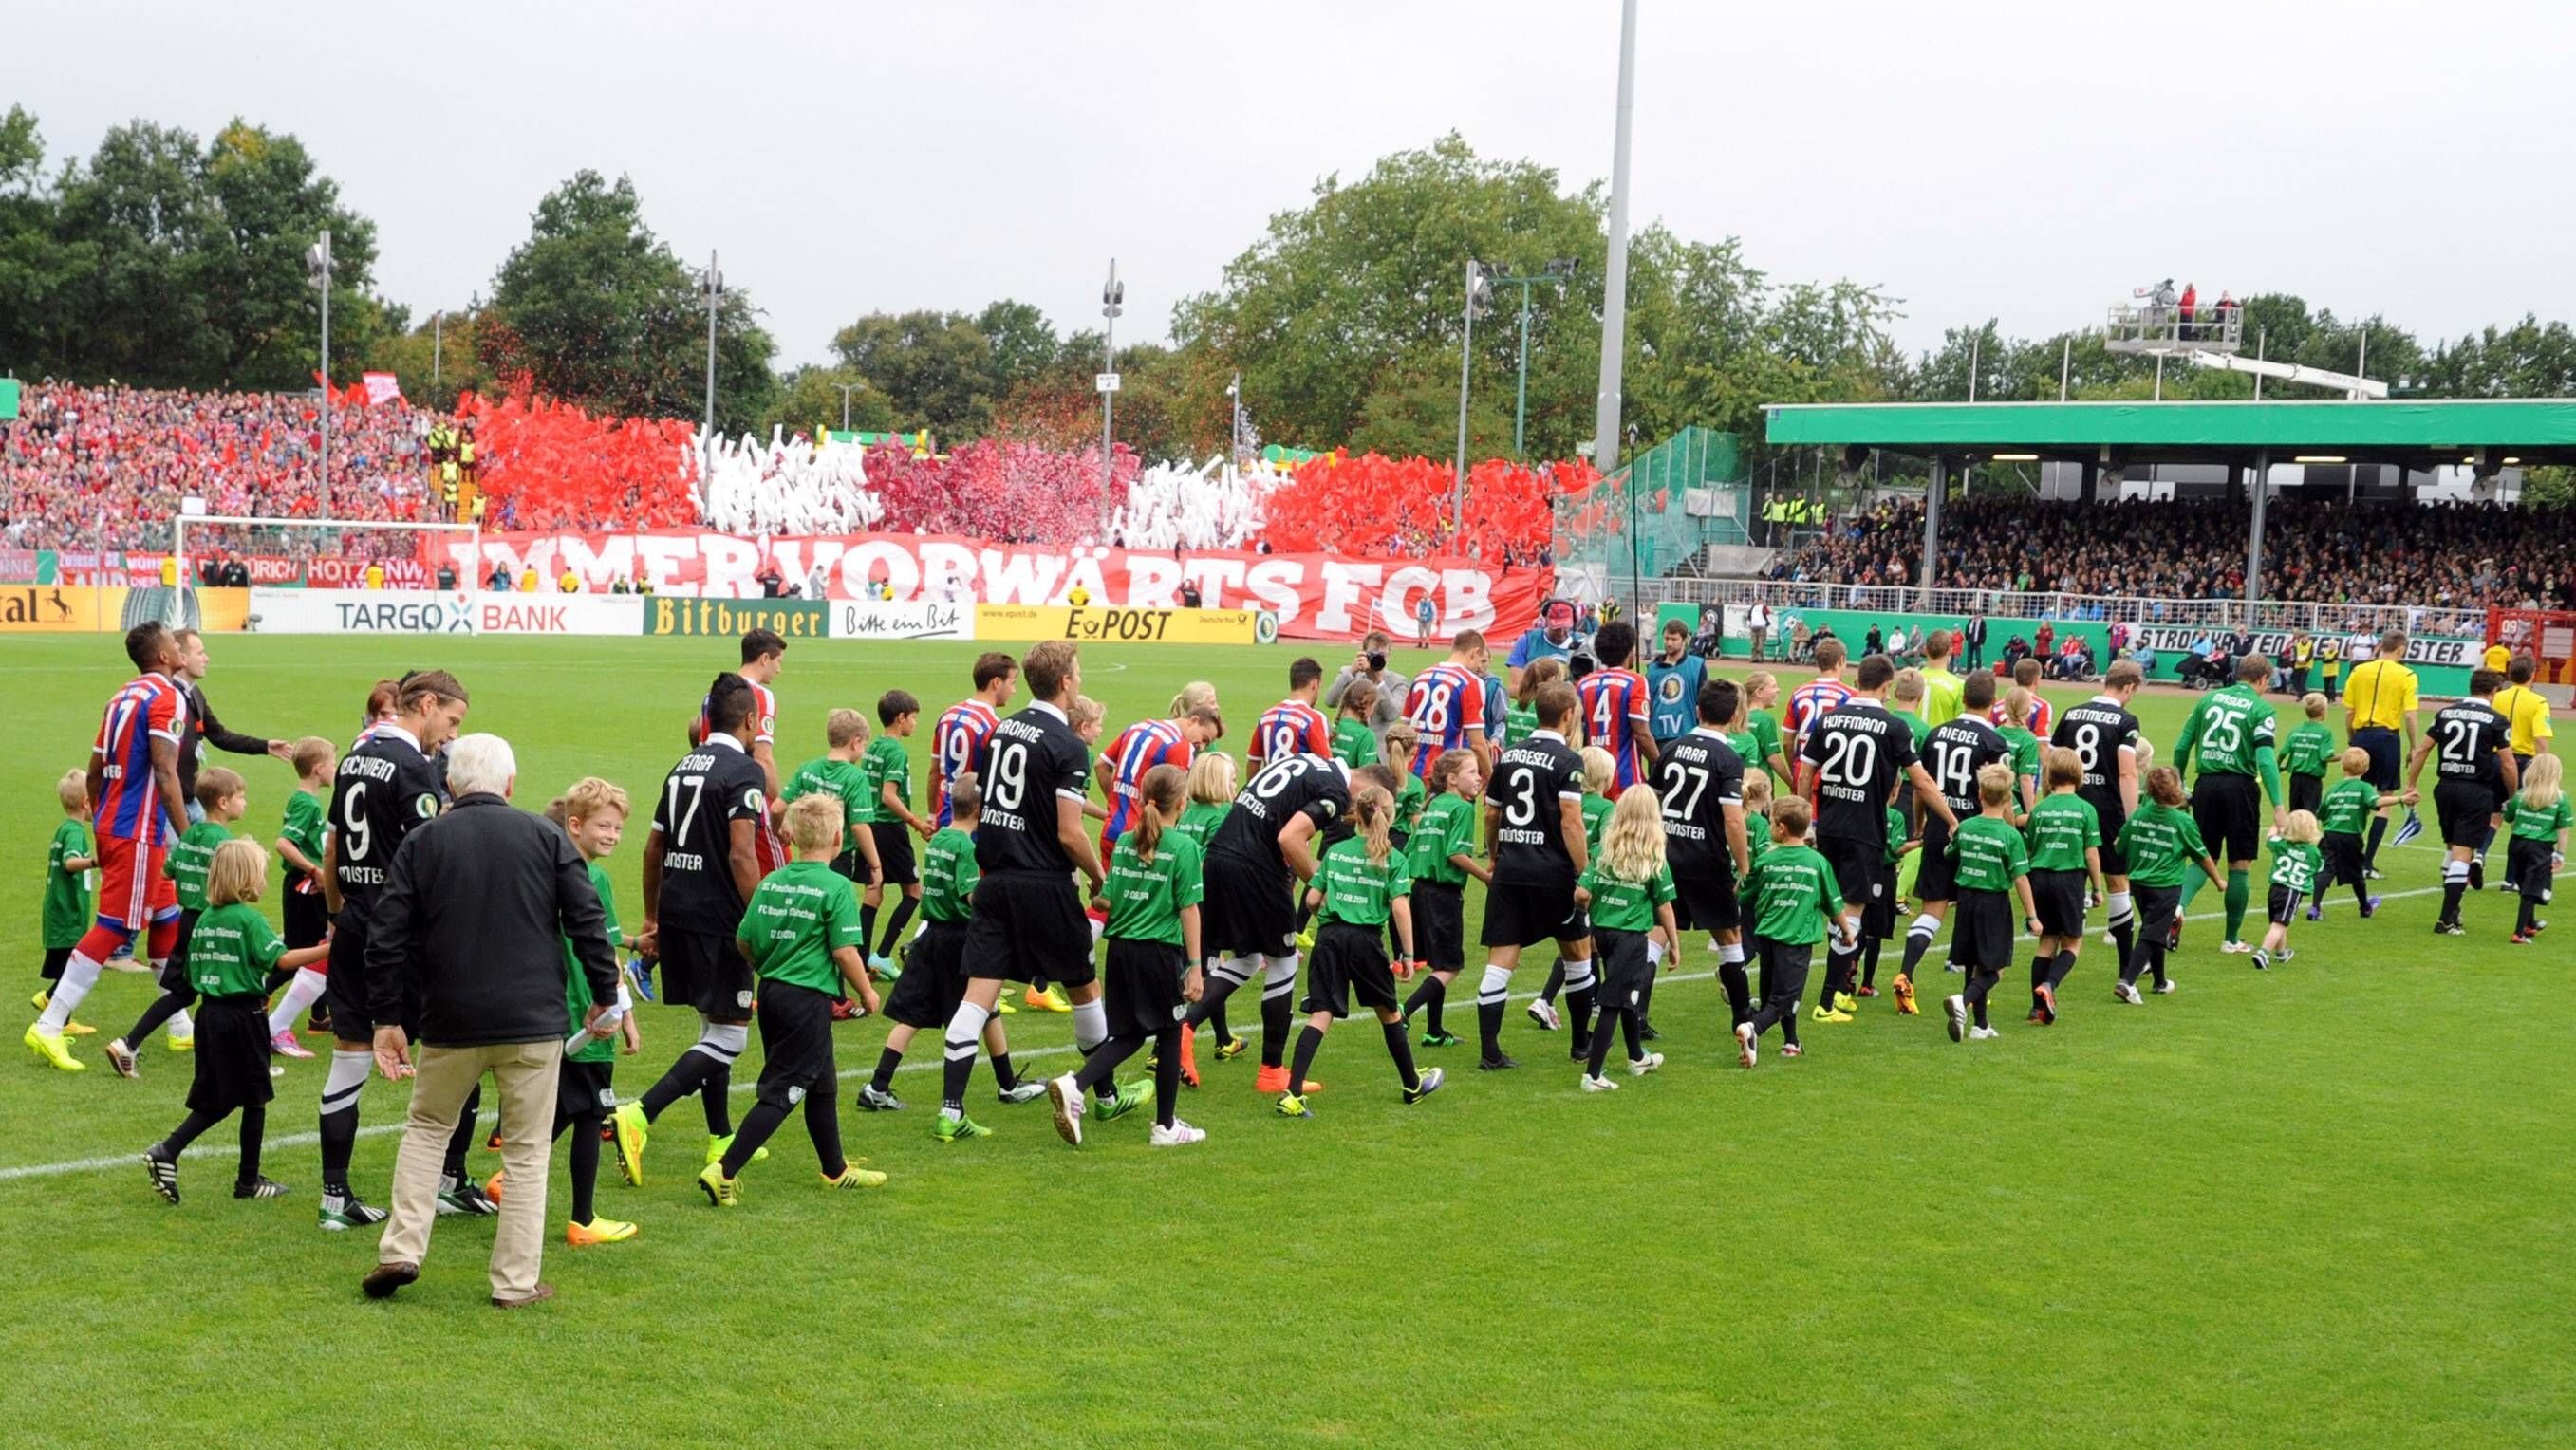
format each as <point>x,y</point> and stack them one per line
<point>204,728</point>
<point>468,940</point>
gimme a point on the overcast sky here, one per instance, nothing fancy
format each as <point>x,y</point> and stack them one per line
<point>2030,162</point>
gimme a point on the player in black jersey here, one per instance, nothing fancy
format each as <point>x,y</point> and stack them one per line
<point>385,787</point>
<point>1860,754</point>
<point>2105,738</point>
<point>707,850</point>
<point>1258,859</point>
<point>1534,833</point>
<point>1700,780</point>
<point>2477,773</point>
<point>1954,752</point>
<point>1029,843</point>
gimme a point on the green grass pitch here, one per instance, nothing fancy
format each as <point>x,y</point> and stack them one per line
<point>2316,1207</point>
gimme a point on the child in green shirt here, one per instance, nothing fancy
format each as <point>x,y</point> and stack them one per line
<point>1354,743</point>
<point>230,956</point>
<point>593,813</point>
<point>1599,773</point>
<point>1360,885</point>
<point>800,932</point>
<point>308,916</point>
<point>892,826</point>
<point>1991,866</point>
<point>1396,753</point>
<point>2539,817</point>
<point>68,862</point>
<point>1799,903</point>
<point>2306,753</point>
<point>1444,854</point>
<point>1628,890</point>
<point>2297,865</point>
<point>2162,844</point>
<point>1155,883</point>
<point>2342,816</point>
<point>927,991</point>
<point>2025,746</point>
<point>225,800</point>
<point>841,774</point>
<point>2065,837</point>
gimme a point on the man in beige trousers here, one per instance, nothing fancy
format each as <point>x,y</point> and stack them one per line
<point>466,945</point>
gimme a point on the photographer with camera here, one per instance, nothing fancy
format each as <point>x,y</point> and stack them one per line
<point>1370,665</point>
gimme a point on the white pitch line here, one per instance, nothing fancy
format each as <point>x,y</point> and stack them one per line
<point>303,1140</point>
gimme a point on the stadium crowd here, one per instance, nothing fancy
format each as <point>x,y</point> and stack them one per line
<point>2443,555</point>
<point>107,466</point>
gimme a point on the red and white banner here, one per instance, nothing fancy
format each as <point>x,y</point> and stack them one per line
<point>335,573</point>
<point>1316,596</point>
<point>381,388</point>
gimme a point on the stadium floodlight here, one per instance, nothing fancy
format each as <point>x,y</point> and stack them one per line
<point>712,289</point>
<point>1113,303</point>
<point>846,390</point>
<point>1557,272</point>
<point>317,259</point>
<point>1480,301</point>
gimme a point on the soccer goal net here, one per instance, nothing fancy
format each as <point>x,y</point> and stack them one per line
<point>178,604</point>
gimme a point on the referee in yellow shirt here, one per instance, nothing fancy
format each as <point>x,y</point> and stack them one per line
<point>2526,713</point>
<point>2379,702</point>
<point>1943,691</point>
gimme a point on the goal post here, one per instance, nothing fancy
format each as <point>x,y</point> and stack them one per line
<point>176,608</point>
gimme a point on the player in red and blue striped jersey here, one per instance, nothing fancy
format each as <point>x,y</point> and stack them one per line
<point>1446,706</point>
<point>139,812</point>
<point>1811,701</point>
<point>1616,706</point>
<point>957,740</point>
<point>1139,748</point>
<point>764,654</point>
<point>1294,726</point>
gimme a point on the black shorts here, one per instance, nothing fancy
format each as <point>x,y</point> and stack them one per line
<point>2527,864</point>
<point>1937,878</point>
<point>1248,911</point>
<point>583,1093</point>
<point>1625,974</point>
<point>2156,908</point>
<point>2344,865</point>
<point>2058,897</point>
<point>894,853</point>
<point>2381,745</point>
<point>2115,862</point>
<point>2229,811</point>
<point>1983,931</point>
<point>1141,981</point>
<point>1029,925</point>
<point>933,982</point>
<point>1706,903</point>
<point>1858,867</point>
<point>2465,808</point>
<point>1440,925</point>
<point>232,1055</point>
<point>1521,916</point>
<point>2306,791</point>
<point>344,995</point>
<point>1878,917</point>
<point>703,971</point>
<point>174,968</point>
<point>1784,971</point>
<point>308,919</point>
<point>795,1044</point>
<point>1349,961</point>
<point>2282,904</point>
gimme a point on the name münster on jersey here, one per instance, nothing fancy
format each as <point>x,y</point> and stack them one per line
<point>1837,727</point>
<point>1542,762</point>
<point>996,815</point>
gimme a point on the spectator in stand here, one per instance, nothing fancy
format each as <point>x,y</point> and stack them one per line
<point>571,581</point>
<point>528,579</point>
<point>499,581</point>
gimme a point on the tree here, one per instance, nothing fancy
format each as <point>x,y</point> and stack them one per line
<point>436,361</point>
<point>596,310</point>
<point>934,368</point>
<point>808,401</point>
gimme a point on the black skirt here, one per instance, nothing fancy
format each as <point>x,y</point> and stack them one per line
<point>232,1055</point>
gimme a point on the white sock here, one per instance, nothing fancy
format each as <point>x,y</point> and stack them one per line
<point>79,975</point>
<point>1496,985</point>
<point>1090,1024</point>
<point>301,993</point>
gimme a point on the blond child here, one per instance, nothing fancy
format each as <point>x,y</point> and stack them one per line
<point>1443,855</point>
<point>593,813</point>
<point>1627,889</point>
<point>1600,772</point>
<point>2539,816</point>
<point>231,951</point>
<point>2297,865</point>
<point>225,799</point>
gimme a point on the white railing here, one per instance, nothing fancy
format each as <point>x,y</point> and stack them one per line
<point>1958,604</point>
<point>2161,328</point>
